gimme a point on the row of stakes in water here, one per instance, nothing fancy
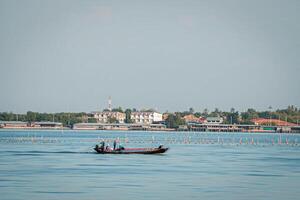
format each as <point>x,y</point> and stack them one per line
<point>181,140</point>
<point>189,140</point>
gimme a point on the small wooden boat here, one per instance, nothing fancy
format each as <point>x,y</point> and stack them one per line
<point>160,149</point>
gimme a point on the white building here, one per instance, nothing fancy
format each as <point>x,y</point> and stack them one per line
<point>214,120</point>
<point>145,117</point>
<point>103,117</point>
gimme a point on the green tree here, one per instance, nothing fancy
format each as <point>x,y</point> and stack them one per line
<point>191,110</point>
<point>215,113</point>
<point>205,112</point>
<point>119,109</point>
<point>197,114</point>
<point>232,118</point>
<point>31,116</point>
<point>174,121</point>
<point>128,116</point>
<point>6,116</point>
<point>232,110</point>
<point>247,116</point>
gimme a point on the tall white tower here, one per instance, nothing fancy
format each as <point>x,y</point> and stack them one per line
<point>109,104</point>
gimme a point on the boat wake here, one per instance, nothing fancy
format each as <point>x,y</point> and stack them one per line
<point>47,152</point>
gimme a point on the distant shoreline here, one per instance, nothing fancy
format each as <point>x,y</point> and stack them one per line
<point>149,131</point>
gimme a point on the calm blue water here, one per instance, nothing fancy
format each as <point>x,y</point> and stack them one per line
<point>61,164</point>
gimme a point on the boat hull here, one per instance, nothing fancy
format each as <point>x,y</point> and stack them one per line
<point>133,151</point>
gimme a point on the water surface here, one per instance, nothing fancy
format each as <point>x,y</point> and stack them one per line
<point>62,165</point>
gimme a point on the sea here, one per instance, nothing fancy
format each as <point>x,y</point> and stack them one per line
<point>61,164</point>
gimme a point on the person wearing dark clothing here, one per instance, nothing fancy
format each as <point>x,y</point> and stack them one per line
<point>121,147</point>
<point>115,144</point>
<point>102,145</point>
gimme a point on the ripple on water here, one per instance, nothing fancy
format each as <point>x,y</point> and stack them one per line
<point>202,169</point>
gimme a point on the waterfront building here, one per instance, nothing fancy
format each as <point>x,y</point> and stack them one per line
<point>147,127</point>
<point>145,117</point>
<point>277,122</point>
<point>104,117</point>
<point>118,126</point>
<point>30,125</point>
<point>13,124</point>
<point>209,120</point>
<point>214,120</point>
<point>87,126</point>
<point>100,126</point>
<point>213,127</point>
<point>190,118</point>
<point>47,125</point>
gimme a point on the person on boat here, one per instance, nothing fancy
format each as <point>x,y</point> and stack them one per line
<point>121,147</point>
<point>102,145</point>
<point>115,144</point>
<point>108,148</point>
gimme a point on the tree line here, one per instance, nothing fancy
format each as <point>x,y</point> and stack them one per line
<point>174,120</point>
<point>290,114</point>
<point>67,118</point>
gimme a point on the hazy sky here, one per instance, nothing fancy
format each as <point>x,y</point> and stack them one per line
<point>170,55</point>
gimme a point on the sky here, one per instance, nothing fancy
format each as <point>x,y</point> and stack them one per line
<point>70,55</point>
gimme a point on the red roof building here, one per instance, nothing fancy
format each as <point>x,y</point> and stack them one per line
<point>277,122</point>
<point>190,118</point>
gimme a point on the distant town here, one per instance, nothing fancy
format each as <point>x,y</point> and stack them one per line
<point>280,120</point>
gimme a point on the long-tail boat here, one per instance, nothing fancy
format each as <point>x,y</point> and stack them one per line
<point>160,149</point>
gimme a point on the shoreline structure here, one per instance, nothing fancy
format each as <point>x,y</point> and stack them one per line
<point>194,127</point>
<point>279,121</point>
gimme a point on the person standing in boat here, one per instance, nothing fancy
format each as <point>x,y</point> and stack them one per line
<point>115,144</point>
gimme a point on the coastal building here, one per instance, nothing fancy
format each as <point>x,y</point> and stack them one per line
<point>190,118</point>
<point>145,117</point>
<point>118,126</point>
<point>201,120</point>
<point>213,127</point>
<point>214,120</point>
<point>100,126</point>
<point>46,125</point>
<point>30,125</point>
<point>87,126</point>
<point>147,127</point>
<point>107,116</point>
<point>13,124</point>
<point>277,122</point>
